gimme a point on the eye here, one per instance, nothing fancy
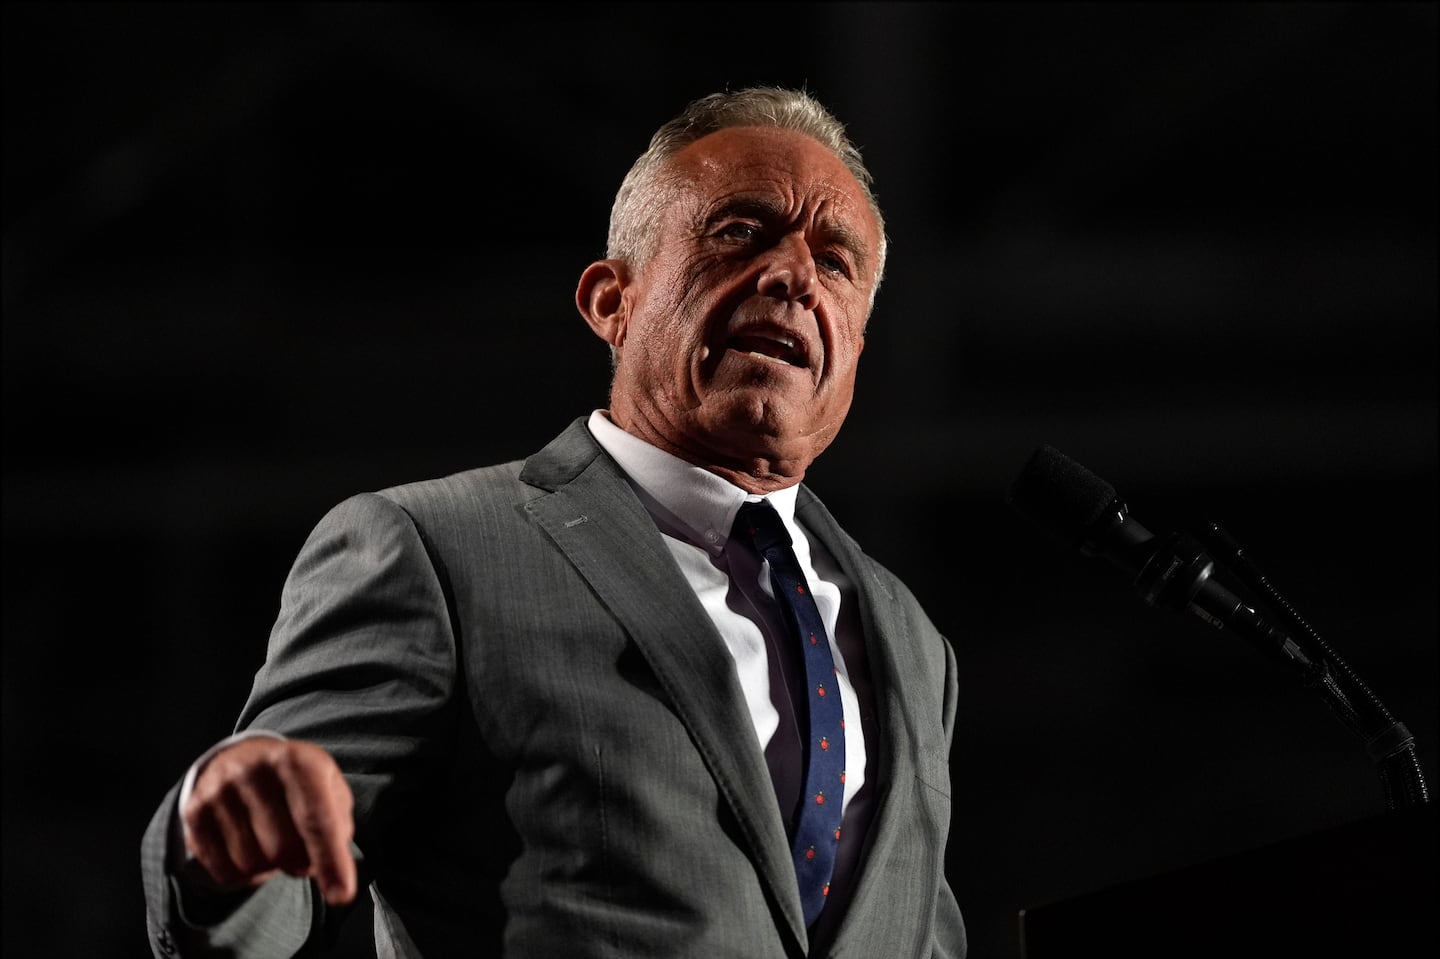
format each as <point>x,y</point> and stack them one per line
<point>833,262</point>
<point>740,230</point>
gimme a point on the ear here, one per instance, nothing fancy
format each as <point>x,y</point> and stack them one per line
<point>599,299</point>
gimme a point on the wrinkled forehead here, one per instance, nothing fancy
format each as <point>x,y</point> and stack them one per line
<point>787,172</point>
<point>761,159</point>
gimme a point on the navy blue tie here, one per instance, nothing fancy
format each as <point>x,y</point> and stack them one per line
<point>816,826</point>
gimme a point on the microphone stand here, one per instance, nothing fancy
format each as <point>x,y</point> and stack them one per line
<point>1389,744</point>
<point>1174,573</point>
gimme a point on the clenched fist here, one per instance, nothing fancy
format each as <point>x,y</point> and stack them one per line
<point>265,806</point>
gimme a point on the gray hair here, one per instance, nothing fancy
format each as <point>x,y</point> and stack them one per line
<point>644,191</point>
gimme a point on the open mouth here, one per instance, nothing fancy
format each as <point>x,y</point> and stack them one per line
<point>781,349</point>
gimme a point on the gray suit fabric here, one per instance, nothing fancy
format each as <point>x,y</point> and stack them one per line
<point>549,749</point>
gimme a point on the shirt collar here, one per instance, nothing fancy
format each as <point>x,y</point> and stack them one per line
<point>703,503</point>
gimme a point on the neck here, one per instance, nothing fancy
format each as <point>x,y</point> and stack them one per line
<point>759,480</point>
<point>760,473</point>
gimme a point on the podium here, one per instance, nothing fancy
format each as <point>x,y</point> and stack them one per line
<point>1365,889</point>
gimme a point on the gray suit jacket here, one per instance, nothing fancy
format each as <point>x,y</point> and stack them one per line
<point>548,746</point>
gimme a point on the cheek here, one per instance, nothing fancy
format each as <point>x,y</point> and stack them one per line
<point>849,344</point>
<point>695,296</point>
<point>673,305</point>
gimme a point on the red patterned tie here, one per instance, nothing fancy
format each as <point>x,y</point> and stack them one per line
<point>816,823</point>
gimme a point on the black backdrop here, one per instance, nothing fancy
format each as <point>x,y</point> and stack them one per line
<point>258,257</point>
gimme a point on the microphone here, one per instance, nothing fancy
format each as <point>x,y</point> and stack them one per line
<point>1172,572</point>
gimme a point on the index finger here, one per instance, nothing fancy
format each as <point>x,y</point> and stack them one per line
<point>321,808</point>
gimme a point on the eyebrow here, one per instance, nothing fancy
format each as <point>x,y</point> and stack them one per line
<point>758,208</point>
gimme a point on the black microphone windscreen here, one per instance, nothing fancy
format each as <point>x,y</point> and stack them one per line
<point>1059,495</point>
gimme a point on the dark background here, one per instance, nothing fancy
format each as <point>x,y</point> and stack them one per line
<point>257,258</point>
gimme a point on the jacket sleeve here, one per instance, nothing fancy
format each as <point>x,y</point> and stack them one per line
<point>950,938</point>
<point>361,661</point>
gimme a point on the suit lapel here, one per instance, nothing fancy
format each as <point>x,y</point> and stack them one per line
<point>886,654</point>
<point>594,517</point>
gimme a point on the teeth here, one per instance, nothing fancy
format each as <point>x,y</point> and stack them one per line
<point>771,346</point>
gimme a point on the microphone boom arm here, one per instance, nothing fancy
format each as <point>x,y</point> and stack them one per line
<point>1390,745</point>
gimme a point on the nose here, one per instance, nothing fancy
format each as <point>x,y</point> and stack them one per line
<point>788,272</point>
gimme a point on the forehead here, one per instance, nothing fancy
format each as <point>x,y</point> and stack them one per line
<point>766,160</point>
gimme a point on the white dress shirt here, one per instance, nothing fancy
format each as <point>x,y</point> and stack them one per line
<point>695,510</point>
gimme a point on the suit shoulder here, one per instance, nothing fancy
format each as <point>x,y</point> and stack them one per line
<point>462,494</point>
<point>445,511</point>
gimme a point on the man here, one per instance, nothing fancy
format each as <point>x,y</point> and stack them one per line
<point>571,707</point>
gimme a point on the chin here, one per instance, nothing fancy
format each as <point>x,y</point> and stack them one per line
<point>762,431</point>
<point>759,413</point>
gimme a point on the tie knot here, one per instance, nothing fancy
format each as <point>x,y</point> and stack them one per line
<point>761,525</point>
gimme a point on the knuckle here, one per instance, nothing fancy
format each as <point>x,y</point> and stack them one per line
<point>195,814</point>
<point>313,820</point>
<point>227,792</point>
<point>288,761</point>
<point>301,760</point>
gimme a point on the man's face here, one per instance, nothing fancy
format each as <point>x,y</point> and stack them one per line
<point>739,338</point>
